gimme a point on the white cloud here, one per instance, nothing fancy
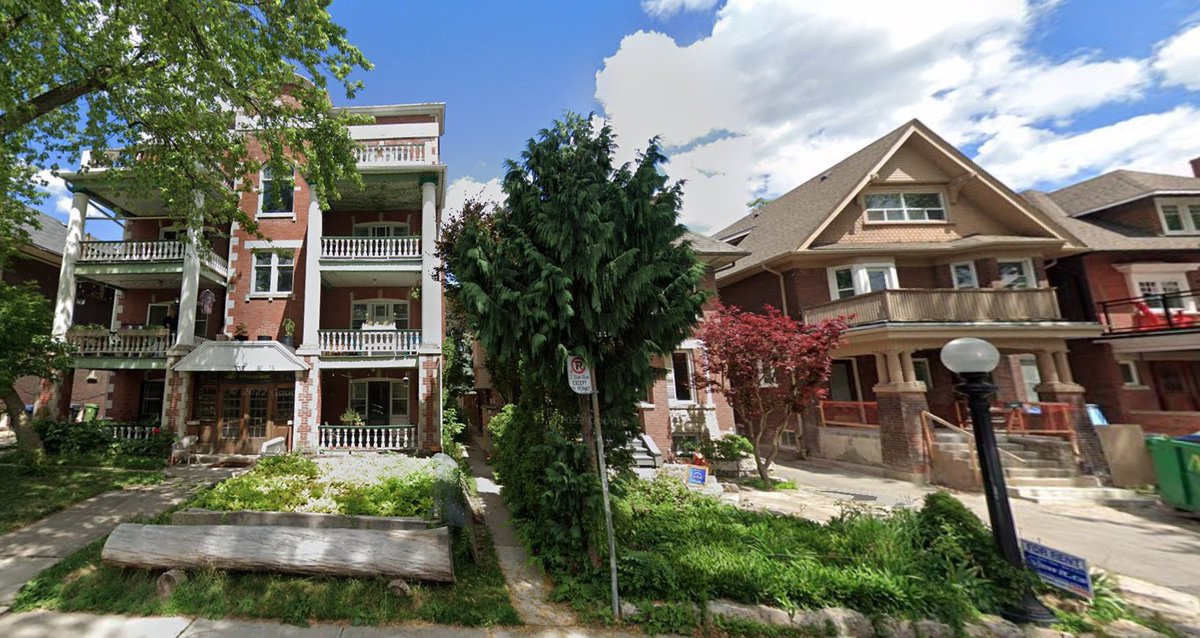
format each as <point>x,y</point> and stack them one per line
<point>464,188</point>
<point>666,8</point>
<point>60,197</point>
<point>1179,59</point>
<point>782,90</point>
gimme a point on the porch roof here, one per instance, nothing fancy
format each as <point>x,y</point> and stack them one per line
<point>241,356</point>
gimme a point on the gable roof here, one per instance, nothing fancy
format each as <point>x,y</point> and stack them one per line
<point>712,251</point>
<point>1119,187</point>
<point>1102,235</point>
<point>791,222</point>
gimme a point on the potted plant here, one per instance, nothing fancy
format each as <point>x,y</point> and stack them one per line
<point>351,417</point>
<point>241,333</point>
<point>289,330</point>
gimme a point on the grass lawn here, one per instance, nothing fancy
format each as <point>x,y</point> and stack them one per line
<point>33,492</point>
<point>389,486</point>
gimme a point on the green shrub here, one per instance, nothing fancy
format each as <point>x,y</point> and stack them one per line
<point>287,464</point>
<point>452,432</point>
<point>157,445</point>
<point>729,448</point>
<point>499,421</point>
<point>408,495</point>
<point>65,437</point>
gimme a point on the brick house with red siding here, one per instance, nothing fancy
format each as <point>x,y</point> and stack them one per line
<point>1141,281</point>
<point>239,339</point>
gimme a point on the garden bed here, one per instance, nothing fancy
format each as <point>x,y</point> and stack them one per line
<point>375,485</point>
<point>34,491</point>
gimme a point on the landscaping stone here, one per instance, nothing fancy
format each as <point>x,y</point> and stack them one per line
<point>753,613</point>
<point>1187,629</point>
<point>896,628</point>
<point>1033,631</point>
<point>932,629</point>
<point>996,627</point>
<point>836,621</point>
<point>1129,629</point>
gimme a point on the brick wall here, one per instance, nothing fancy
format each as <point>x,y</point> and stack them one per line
<point>656,420</point>
<point>342,223</point>
<point>1085,433</point>
<point>335,390</point>
<point>1142,215</point>
<point>900,437</point>
<point>753,292</point>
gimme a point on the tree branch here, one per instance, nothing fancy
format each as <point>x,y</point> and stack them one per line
<point>10,24</point>
<point>56,97</point>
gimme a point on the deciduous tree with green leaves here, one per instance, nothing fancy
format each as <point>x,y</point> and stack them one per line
<point>162,82</point>
<point>26,350</point>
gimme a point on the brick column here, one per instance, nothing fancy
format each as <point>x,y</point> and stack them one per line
<point>307,418</point>
<point>429,398</point>
<point>176,393</point>
<point>900,438</point>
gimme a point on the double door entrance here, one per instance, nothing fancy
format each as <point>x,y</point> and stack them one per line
<point>236,418</point>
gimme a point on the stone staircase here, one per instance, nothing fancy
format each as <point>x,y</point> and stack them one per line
<point>1039,469</point>
<point>645,453</point>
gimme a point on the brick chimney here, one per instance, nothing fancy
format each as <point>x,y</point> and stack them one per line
<point>1196,167</point>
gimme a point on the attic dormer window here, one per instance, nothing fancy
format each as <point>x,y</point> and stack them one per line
<point>905,207</point>
<point>1180,216</point>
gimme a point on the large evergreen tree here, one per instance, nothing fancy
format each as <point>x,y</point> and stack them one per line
<point>586,256</point>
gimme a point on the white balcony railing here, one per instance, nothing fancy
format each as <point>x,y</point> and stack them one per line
<point>369,342</point>
<point>140,343</point>
<point>367,437</point>
<point>381,248</point>
<point>131,251</point>
<point>395,153</point>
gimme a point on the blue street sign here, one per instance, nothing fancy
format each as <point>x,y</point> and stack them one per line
<point>1058,569</point>
<point>697,475</point>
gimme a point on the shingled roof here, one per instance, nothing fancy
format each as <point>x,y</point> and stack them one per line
<point>714,251</point>
<point>51,237</point>
<point>1101,235</point>
<point>1118,187</point>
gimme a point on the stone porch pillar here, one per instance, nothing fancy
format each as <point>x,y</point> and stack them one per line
<point>176,397</point>
<point>311,323</point>
<point>1063,389</point>
<point>901,400</point>
<point>429,402</point>
<point>306,421</point>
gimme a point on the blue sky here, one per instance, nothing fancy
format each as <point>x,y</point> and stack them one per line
<point>756,96</point>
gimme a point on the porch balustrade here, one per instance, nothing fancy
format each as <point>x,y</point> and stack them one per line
<point>382,248</point>
<point>369,342</point>
<point>395,153</point>
<point>850,414</point>
<point>922,304</point>
<point>131,251</point>
<point>121,343</point>
<point>126,432</point>
<point>380,438</point>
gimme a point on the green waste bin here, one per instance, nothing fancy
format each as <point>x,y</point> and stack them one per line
<point>1177,465</point>
<point>90,410</point>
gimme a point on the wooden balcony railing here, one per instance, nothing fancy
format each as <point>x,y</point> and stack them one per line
<point>367,437</point>
<point>371,248</point>
<point>850,414</point>
<point>395,153</point>
<point>138,343</point>
<point>920,304</point>
<point>344,343</point>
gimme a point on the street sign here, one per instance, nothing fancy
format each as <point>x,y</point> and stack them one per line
<point>1058,569</point>
<point>579,375</point>
<point>697,475</point>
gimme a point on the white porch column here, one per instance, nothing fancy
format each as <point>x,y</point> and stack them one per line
<point>189,292</point>
<point>881,370</point>
<point>64,304</point>
<point>310,339</point>
<point>895,369</point>
<point>906,362</point>
<point>431,289</point>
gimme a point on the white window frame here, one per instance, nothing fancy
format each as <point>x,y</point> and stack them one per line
<point>1183,204</point>
<point>918,364</point>
<point>285,214</point>
<point>274,290</point>
<point>156,304</point>
<point>1027,264</point>
<point>767,381</point>
<point>671,400</point>
<point>1159,272</point>
<point>1136,374</point>
<point>370,303</point>
<point>954,275</point>
<point>1028,362</point>
<point>859,273</point>
<point>371,225</point>
<point>903,207</point>
<point>1180,280</point>
<point>393,419</point>
<point>163,230</point>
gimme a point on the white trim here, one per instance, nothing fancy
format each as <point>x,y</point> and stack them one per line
<point>230,356</point>
<point>1136,382</point>
<point>859,273</point>
<point>275,269</point>
<point>381,300</point>
<point>163,230</point>
<point>276,244</point>
<point>901,191</point>
<point>259,214</point>
<point>391,381</point>
<point>954,275</point>
<point>671,400</point>
<point>394,131</point>
<point>153,304</point>
<point>1027,264</point>
<point>407,228</point>
<point>1183,204</point>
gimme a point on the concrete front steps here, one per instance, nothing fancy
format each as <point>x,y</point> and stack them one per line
<point>1046,472</point>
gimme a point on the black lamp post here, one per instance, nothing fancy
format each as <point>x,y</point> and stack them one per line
<point>972,359</point>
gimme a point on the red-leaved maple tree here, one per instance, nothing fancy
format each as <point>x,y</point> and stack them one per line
<point>769,367</point>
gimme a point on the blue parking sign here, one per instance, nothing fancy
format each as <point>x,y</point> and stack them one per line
<point>697,475</point>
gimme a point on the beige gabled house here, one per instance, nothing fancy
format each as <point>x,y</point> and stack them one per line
<point>915,245</point>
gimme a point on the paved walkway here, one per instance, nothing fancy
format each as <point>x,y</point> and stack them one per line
<point>24,553</point>
<point>48,624</point>
<point>526,583</point>
<point>1143,542</point>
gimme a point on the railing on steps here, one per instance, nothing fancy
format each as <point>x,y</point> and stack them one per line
<point>850,414</point>
<point>367,437</point>
<point>930,440</point>
<point>1038,419</point>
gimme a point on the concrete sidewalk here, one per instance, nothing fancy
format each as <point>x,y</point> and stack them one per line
<point>1147,543</point>
<point>49,624</point>
<point>24,553</point>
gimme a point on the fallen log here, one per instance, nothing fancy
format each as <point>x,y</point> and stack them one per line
<point>168,581</point>
<point>194,516</point>
<point>409,554</point>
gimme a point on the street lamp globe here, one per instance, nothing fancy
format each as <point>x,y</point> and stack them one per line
<point>970,355</point>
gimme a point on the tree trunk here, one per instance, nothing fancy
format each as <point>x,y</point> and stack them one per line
<point>409,554</point>
<point>588,434</point>
<point>27,437</point>
<point>763,468</point>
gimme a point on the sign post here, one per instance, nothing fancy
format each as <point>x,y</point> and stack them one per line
<point>579,377</point>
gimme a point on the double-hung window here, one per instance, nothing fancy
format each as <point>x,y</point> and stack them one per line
<point>904,207</point>
<point>1180,216</point>
<point>273,272</point>
<point>679,378</point>
<point>275,193</point>
<point>1160,290</point>
<point>859,279</point>
<point>1016,273</point>
<point>963,274</point>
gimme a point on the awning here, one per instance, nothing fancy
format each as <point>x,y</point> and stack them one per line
<point>241,356</point>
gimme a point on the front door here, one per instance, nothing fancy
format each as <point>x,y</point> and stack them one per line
<point>379,402</point>
<point>245,417</point>
<point>843,382</point>
<point>1178,385</point>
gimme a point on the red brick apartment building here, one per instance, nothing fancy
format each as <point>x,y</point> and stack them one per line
<point>354,282</point>
<point>1141,281</point>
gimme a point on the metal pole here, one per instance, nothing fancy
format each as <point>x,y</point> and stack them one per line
<point>612,541</point>
<point>1004,529</point>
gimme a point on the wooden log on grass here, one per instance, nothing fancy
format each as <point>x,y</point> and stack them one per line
<point>194,516</point>
<point>422,555</point>
<point>168,581</point>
